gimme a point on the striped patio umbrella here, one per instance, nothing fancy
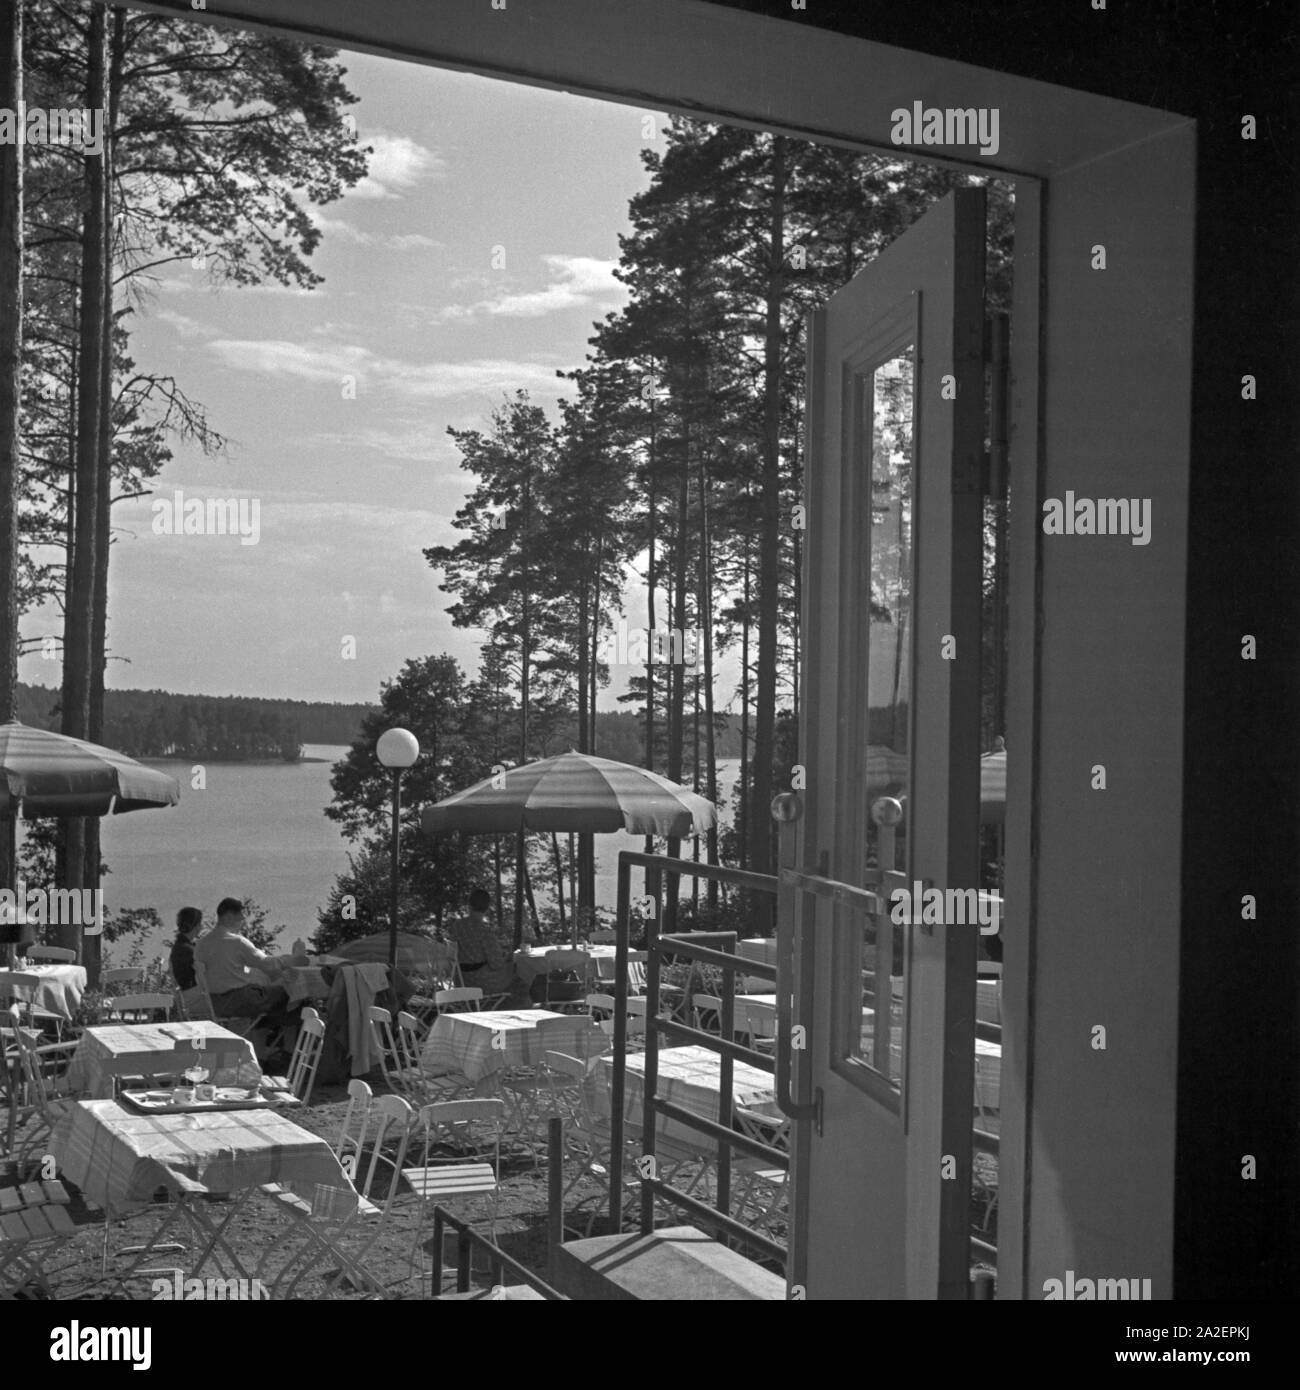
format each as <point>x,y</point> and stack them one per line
<point>51,774</point>
<point>993,788</point>
<point>48,774</point>
<point>576,792</point>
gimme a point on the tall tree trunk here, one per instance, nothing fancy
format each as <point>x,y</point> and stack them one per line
<point>11,366</point>
<point>652,578</point>
<point>532,903</point>
<point>797,582</point>
<point>742,802</point>
<point>584,620</point>
<point>769,567</point>
<point>586,896</point>
<point>77,655</point>
<point>706,629</point>
<point>677,667</point>
<point>521,844</point>
<point>104,497</point>
<point>11,358</point>
<point>559,876</point>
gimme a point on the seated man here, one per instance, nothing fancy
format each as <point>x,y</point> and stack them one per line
<point>229,961</point>
<point>482,958</point>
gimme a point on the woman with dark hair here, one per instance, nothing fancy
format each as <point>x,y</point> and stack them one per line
<point>188,922</point>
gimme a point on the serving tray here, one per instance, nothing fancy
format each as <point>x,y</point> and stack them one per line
<point>227,1098</point>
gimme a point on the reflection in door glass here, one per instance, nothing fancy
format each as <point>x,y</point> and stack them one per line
<point>888,700</point>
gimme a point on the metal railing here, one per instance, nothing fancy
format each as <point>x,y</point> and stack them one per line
<point>719,950</point>
<point>467,1240</point>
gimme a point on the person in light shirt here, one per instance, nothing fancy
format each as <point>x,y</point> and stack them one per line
<point>240,977</point>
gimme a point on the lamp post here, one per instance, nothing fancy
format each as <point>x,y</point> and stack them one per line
<point>396,749</point>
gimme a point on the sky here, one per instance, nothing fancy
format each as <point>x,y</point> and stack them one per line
<point>472,261</point>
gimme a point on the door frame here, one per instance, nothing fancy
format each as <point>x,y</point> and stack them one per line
<point>1088,170</point>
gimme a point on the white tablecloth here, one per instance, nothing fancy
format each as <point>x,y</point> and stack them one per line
<point>479,1044</point>
<point>57,988</point>
<point>119,1159</point>
<point>690,1077</point>
<point>122,1049</point>
<point>530,961</point>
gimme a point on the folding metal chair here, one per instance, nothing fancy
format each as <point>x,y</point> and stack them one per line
<point>139,1008</point>
<point>122,975</point>
<point>473,1126</point>
<point>760,1188</point>
<point>334,1215</point>
<point>42,1069</point>
<point>563,962</point>
<point>34,1222</point>
<point>301,1076</point>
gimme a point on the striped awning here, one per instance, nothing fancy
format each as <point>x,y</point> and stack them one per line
<point>574,792</point>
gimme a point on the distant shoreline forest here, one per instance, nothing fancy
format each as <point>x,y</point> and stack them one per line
<point>226,728</point>
<point>238,728</point>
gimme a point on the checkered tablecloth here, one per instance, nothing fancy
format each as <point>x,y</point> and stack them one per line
<point>58,991</point>
<point>120,1159</point>
<point>689,1077</point>
<point>479,1044</point>
<point>530,961</point>
<point>137,1049</point>
<point>761,948</point>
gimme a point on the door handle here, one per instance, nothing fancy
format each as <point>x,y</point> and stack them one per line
<point>786,810</point>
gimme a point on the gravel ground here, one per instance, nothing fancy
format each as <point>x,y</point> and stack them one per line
<point>74,1271</point>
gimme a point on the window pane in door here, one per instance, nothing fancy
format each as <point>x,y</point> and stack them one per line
<point>887,403</point>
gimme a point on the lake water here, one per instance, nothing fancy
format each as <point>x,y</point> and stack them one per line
<point>256,830</point>
<point>259,831</point>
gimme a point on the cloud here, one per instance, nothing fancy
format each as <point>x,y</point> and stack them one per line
<point>396,165</point>
<point>205,284</point>
<point>412,380</point>
<point>340,229</point>
<point>418,442</point>
<point>182,323</point>
<point>576,281</point>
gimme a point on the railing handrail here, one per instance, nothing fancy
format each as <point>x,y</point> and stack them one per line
<point>742,878</point>
<point>467,1238</point>
<point>681,945</point>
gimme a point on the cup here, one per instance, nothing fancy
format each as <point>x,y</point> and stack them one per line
<point>183,1095</point>
<point>206,1092</point>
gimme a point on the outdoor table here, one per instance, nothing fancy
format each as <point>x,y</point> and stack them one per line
<point>58,991</point>
<point>304,982</point>
<point>481,1044</point>
<point>761,948</point>
<point>530,961</point>
<point>988,1001</point>
<point>119,1159</point>
<point>692,1078</point>
<point>988,1075</point>
<point>767,1002</point>
<point>146,1049</point>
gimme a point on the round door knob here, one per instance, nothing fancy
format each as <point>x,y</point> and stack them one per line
<point>886,810</point>
<point>787,807</point>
